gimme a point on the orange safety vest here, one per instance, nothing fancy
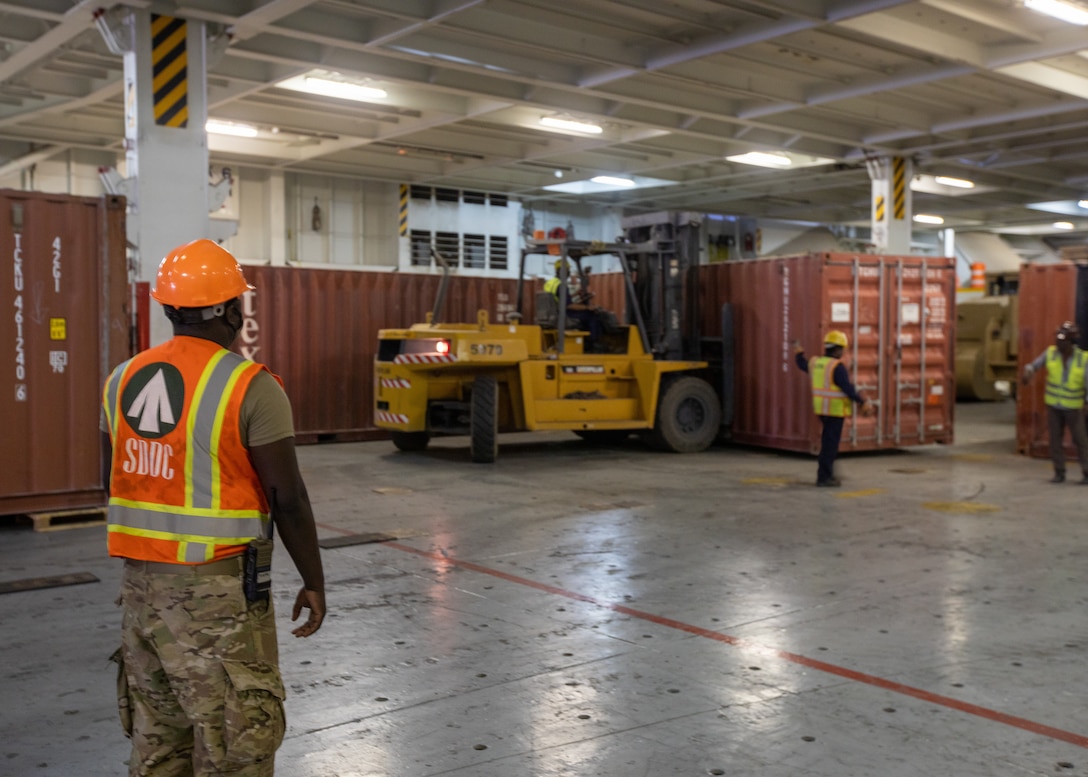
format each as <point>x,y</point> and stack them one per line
<point>182,487</point>
<point>827,398</point>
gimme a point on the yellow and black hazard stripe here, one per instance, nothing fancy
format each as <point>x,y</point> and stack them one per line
<point>170,71</point>
<point>879,209</point>
<point>403,219</point>
<point>899,187</point>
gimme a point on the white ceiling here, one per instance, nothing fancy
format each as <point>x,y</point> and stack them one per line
<point>977,89</point>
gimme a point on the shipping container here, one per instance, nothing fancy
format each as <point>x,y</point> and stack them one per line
<point>609,292</point>
<point>318,330</point>
<point>899,315</point>
<point>67,321</point>
<point>1048,295</point>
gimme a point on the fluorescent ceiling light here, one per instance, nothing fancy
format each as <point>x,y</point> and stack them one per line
<point>596,186</point>
<point>959,183</point>
<point>1067,12</point>
<point>1082,203</point>
<point>762,159</point>
<point>230,128</point>
<point>946,186</point>
<point>342,89</point>
<point>571,125</point>
<point>610,180</point>
<point>330,84</point>
<point>1062,225</point>
<point>925,218</point>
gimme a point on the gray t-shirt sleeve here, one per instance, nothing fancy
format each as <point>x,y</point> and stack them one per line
<point>266,412</point>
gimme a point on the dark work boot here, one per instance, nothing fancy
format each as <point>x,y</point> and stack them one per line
<point>1059,476</point>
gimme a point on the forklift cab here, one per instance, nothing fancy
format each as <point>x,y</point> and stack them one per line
<point>574,325</point>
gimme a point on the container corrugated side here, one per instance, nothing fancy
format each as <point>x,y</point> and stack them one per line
<point>1047,298</point>
<point>318,330</point>
<point>898,313</point>
<point>66,322</point>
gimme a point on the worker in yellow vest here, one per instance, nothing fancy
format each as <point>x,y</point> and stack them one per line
<point>1065,386</point>
<point>579,314</point>
<point>199,462</point>
<point>833,396</point>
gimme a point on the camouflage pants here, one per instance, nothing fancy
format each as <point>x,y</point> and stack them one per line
<point>199,687</point>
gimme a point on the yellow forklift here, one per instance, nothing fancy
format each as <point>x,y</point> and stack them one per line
<point>601,382</point>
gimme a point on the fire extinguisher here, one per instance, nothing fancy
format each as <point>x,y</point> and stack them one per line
<point>315,217</point>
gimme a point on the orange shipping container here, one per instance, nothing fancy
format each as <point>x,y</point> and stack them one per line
<point>898,313</point>
<point>1047,298</point>
<point>318,330</point>
<point>66,322</point>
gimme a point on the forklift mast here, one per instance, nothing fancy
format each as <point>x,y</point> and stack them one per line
<point>666,282</point>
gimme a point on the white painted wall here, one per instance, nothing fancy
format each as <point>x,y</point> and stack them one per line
<point>74,171</point>
<point>356,224</point>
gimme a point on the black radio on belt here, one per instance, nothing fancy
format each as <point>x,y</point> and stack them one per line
<point>257,574</point>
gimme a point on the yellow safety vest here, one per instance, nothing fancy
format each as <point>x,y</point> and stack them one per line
<point>827,398</point>
<point>552,286</point>
<point>1067,394</point>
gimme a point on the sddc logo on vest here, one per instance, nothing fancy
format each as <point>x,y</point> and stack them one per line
<point>153,399</point>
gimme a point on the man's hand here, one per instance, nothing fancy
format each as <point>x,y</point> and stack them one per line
<point>797,347</point>
<point>314,601</point>
<point>868,410</point>
<point>1028,373</point>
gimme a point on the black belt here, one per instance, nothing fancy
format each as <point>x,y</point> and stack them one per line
<point>226,566</point>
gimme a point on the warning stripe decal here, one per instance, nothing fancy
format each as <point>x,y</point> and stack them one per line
<point>424,358</point>
<point>899,187</point>
<point>170,71</point>
<point>403,217</point>
<point>390,418</point>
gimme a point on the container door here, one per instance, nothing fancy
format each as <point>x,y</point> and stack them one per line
<point>854,304</point>
<point>61,326</point>
<point>918,385</point>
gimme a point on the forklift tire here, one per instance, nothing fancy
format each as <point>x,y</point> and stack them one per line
<point>484,419</point>
<point>411,442</point>
<point>688,416</point>
<point>603,436</point>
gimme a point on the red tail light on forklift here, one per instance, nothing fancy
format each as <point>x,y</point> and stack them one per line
<point>442,346</point>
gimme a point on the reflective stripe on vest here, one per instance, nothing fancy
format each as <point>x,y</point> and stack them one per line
<point>202,485</point>
<point>110,395</point>
<point>157,518</point>
<point>827,398</point>
<point>1066,392</point>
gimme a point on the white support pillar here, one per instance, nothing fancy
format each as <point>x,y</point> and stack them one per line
<point>892,218</point>
<point>277,214</point>
<point>949,237</point>
<point>165,142</point>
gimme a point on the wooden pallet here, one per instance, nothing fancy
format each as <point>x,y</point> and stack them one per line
<point>68,519</point>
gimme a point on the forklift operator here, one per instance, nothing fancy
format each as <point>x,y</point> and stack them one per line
<point>579,313</point>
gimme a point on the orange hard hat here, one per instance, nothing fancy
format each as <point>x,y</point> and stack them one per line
<point>199,274</point>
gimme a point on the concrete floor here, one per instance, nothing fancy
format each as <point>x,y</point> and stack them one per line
<point>621,613</point>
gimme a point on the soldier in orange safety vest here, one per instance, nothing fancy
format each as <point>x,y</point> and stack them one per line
<point>832,398</point>
<point>199,460</point>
